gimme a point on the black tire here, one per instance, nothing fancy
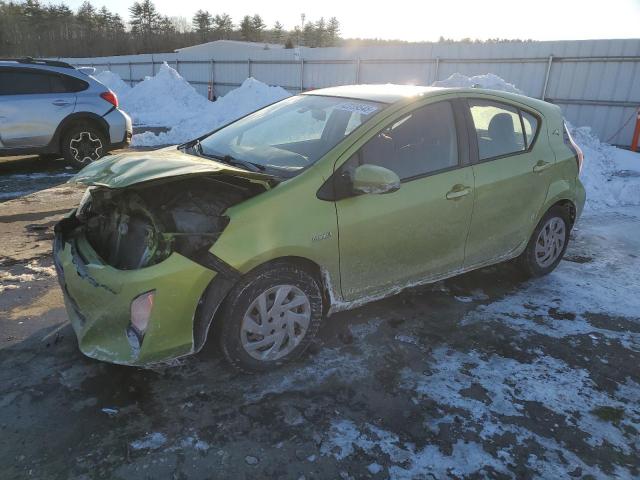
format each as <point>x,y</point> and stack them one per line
<point>82,144</point>
<point>242,296</point>
<point>529,262</point>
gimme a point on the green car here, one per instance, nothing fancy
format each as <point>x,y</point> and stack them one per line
<point>318,203</point>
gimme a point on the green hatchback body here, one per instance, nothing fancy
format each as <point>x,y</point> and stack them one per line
<point>318,203</point>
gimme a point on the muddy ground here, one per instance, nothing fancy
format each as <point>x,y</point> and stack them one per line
<point>481,376</point>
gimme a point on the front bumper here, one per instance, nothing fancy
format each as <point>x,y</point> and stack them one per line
<point>98,298</point>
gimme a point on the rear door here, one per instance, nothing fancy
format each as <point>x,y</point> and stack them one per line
<point>419,231</point>
<point>32,105</point>
<point>512,176</point>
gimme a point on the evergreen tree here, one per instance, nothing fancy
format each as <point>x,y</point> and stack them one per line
<point>223,26</point>
<point>277,33</point>
<point>333,32</point>
<point>309,35</point>
<point>246,28</point>
<point>257,26</point>
<point>320,37</point>
<point>202,24</point>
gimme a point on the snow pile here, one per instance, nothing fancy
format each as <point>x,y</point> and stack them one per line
<point>168,100</point>
<point>113,82</point>
<point>611,176</point>
<point>250,96</point>
<point>488,81</point>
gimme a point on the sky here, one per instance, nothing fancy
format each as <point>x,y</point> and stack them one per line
<point>427,20</point>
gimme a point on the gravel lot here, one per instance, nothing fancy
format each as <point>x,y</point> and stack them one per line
<point>480,376</point>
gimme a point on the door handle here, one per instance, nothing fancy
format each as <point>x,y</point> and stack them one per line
<point>541,166</point>
<point>61,103</point>
<point>458,191</point>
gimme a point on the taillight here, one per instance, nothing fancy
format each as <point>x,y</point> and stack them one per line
<point>569,142</point>
<point>110,97</point>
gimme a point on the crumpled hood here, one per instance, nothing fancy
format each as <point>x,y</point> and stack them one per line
<point>126,169</point>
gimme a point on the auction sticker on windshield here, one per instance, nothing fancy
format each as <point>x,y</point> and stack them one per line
<point>362,108</point>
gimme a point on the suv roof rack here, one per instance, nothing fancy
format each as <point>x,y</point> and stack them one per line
<point>38,61</point>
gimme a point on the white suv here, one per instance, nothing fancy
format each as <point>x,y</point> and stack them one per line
<point>51,108</point>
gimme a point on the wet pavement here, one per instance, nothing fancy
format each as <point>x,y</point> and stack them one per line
<point>21,176</point>
<point>481,376</point>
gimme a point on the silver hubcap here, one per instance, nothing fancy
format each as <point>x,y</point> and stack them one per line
<point>275,323</point>
<point>550,242</point>
<point>85,148</point>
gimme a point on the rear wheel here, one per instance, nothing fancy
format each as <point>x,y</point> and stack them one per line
<point>270,317</point>
<point>82,144</point>
<point>547,244</point>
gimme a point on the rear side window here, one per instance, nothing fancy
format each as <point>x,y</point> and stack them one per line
<point>498,129</point>
<point>422,142</point>
<point>23,82</point>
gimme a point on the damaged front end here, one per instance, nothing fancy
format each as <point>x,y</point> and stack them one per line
<point>134,262</point>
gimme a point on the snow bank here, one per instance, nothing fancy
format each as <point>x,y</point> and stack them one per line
<point>113,82</point>
<point>610,175</point>
<point>168,100</point>
<point>489,81</point>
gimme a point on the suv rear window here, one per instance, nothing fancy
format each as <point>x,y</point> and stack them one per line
<point>22,82</point>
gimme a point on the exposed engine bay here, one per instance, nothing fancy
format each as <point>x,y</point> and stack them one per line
<point>139,226</point>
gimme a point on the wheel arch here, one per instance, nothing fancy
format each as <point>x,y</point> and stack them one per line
<point>76,119</point>
<point>218,290</point>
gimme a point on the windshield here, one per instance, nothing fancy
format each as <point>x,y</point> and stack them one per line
<point>290,135</point>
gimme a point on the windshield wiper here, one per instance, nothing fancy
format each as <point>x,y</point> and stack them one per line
<point>228,159</point>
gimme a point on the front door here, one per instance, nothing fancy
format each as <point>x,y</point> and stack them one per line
<point>511,179</point>
<point>390,240</point>
<point>32,105</point>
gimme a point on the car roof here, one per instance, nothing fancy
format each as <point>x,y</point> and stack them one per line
<point>385,93</point>
<point>391,93</point>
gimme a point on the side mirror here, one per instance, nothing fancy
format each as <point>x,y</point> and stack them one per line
<point>375,179</point>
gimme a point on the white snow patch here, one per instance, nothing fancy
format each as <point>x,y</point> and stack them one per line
<point>510,384</point>
<point>151,441</point>
<point>34,267</point>
<point>488,81</point>
<point>466,458</point>
<point>611,176</point>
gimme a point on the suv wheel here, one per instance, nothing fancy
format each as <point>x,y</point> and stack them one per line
<point>547,244</point>
<point>83,144</point>
<point>270,317</point>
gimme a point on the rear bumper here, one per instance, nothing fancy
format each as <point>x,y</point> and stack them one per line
<point>120,128</point>
<point>98,299</point>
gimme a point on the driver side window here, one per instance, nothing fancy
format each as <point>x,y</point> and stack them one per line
<point>419,143</point>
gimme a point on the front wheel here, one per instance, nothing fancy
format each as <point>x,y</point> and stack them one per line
<point>270,317</point>
<point>83,144</point>
<point>547,244</point>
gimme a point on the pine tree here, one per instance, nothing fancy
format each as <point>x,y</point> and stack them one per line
<point>320,37</point>
<point>257,26</point>
<point>202,23</point>
<point>333,32</point>
<point>246,28</point>
<point>309,35</point>
<point>223,26</point>
<point>277,33</point>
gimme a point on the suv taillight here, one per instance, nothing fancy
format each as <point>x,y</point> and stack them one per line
<point>110,97</point>
<point>573,146</point>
